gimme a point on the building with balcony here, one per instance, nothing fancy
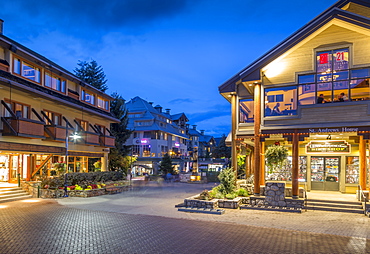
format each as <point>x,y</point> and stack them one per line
<point>155,133</point>
<point>310,94</point>
<point>48,116</point>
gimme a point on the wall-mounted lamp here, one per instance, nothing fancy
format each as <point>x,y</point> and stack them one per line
<point>328,137</point>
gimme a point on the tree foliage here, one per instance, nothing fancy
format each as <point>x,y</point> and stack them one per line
<point>119,158</point>
<point>166,165</point>
<point>92,73</point>
<point>222,151</point>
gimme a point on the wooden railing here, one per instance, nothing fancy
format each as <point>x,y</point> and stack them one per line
<point>22,127</point>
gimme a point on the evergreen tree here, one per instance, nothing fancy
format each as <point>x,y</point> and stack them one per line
<point>92,74</point>
<point>222,151</point>
<point>166,165</point>
<point>119,158</point>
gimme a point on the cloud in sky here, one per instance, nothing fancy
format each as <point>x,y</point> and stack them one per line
<point>187,100</point>
<point>172,52</point>
<point>91,17</point>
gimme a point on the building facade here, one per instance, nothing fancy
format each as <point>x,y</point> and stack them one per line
<point>310,94</point>
<point>48,117</point>
<point>156,133</point>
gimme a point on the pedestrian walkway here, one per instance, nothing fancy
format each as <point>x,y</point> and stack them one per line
<point>159,199</point>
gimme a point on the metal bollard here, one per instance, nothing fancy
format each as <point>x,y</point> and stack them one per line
<point>38,191</point>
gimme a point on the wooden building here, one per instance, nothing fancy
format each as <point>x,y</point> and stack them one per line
<point>310,94</point>
<point>42,105</point>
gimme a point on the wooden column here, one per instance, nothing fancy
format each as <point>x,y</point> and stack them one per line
<point>362,151</point>
<point>295,165</point>
<point>262,161</point>
<point>257,127</point>
<point>234,158</point>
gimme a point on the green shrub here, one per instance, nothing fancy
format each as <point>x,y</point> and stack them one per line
<point>204,195</point>
<point>230,196</point>
<point>83,179</point>
<point>242,192</point>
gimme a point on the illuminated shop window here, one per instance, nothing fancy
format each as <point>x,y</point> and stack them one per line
<point>280,101</point>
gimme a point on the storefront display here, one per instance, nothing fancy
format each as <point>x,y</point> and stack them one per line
<point>4,168</point>
<point>325,173</point>
<point>285,173</point>
<point>352,169</point>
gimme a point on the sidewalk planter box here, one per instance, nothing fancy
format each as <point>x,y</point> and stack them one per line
<point>86,193</point>
<point>195,202</point>
<point>230,203</point>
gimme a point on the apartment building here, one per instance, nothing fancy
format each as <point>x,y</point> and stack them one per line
<point>48,116</point>
<point>155,133</point>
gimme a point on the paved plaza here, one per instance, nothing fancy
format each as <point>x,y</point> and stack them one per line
<point>144,220</point>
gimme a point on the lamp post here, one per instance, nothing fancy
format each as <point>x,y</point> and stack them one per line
<point>65,174</point>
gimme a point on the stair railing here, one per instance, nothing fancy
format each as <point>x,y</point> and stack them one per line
<point>362,197</point>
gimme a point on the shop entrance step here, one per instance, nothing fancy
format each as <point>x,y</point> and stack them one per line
<point>334,206</point>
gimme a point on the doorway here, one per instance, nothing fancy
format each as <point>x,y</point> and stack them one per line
<point>325,173</point>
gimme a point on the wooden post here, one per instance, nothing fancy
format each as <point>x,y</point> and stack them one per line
<point>234,158</point>
<point>295,165</point>
<point>262,161</point>
<point>362,150</point>
<point>257,126</point>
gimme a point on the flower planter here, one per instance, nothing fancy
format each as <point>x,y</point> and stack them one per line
<point>230,203</point>
<point>195,202</point>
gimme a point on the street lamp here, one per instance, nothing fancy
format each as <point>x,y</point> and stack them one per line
<point>74,136</point>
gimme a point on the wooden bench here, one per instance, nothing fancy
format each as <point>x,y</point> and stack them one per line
<point>114,189</point>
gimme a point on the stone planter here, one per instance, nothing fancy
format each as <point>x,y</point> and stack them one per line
<point>195,202</point>
<point>230,203</point>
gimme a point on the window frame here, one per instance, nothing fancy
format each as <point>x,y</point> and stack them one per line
<point>33,65</point>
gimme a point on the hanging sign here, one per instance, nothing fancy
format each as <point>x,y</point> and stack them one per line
<point>328,146</point>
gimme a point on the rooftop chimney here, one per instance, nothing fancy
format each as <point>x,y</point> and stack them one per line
<point>151,103</point>
<point>168,110</point>
<point>202,132</point>
<point>1,26</point>
<point>194,127</point>
<point>158,108</point>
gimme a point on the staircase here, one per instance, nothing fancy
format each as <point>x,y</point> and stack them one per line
<point>334,206</point>
<point>8,194</point>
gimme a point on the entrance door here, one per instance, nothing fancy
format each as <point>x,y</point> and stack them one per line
<point>325,173</point>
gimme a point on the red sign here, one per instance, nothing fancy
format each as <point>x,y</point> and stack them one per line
<point>324,58</point>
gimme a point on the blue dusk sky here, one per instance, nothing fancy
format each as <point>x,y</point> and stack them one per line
<point>174,53</point>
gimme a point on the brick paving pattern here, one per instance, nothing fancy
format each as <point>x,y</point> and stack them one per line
<point>144,220</point>
<point>47,227</point>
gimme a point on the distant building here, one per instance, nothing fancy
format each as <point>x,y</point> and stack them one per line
<point>156,133</point>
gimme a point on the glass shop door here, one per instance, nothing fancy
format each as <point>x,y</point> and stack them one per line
<point>325,173</point>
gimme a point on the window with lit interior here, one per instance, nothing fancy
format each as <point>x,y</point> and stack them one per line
<point>280,101</point>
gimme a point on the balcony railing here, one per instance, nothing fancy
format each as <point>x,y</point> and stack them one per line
<point>107,141</point>
<point>55,133</point>
<point>91,138</point>
<point>22,127</point>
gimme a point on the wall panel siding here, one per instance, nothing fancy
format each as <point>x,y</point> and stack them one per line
<point>302,58</point>
<point>324,114</point>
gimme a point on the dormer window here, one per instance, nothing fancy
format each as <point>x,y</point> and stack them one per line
<point>26,70</point>
<point>55,82</point>
<point>88,97</point>
<point>103,104</point>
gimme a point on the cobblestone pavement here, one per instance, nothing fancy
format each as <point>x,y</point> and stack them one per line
<point>129,223</point>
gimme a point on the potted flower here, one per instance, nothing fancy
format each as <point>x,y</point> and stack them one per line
<point>275,155</point>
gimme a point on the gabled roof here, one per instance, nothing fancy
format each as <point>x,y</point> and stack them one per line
<point>252,72</point>
<point>178,116</point>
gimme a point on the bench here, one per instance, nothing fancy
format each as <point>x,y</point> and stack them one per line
<point>115,189</point>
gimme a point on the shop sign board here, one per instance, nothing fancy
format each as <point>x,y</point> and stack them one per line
<point>328,130</point>
<point>328,146</point>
